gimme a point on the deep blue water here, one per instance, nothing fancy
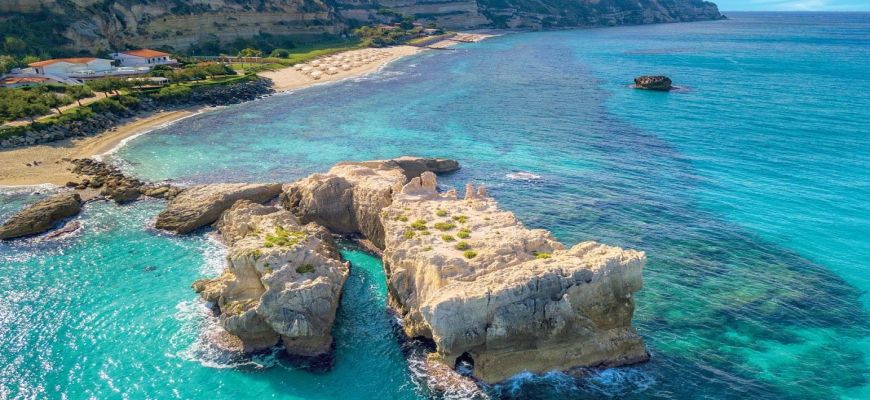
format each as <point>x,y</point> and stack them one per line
<point>749,189</point>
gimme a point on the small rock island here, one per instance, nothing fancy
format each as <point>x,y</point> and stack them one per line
<point>657,82</point>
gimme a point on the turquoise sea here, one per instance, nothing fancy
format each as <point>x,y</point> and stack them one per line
<point>749,189</point>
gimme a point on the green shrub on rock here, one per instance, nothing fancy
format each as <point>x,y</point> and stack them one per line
<point>444,226</point>
<point>305,269</point>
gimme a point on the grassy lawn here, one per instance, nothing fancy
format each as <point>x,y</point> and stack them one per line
<point>299,55</point>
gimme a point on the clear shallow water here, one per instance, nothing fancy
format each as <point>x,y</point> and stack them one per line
<point>749,192</point>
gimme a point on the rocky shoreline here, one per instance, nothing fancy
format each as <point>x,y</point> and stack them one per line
<point>488,293</point>
<point>215,95</point>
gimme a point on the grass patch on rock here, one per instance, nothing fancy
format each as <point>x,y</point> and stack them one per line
<point>284,238</point>
<point>305,269</point>
<point>444,226</point>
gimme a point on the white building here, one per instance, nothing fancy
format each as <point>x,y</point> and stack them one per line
<point>143,58</point>
<point>68,67</point>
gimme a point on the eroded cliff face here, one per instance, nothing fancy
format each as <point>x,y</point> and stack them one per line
<point>178,24</point>
<point>561,13</point>
<point>484,288</point>
<point>282,282</point>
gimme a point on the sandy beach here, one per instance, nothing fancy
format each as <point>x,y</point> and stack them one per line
<point>373,59</point>
<point>50,166</point>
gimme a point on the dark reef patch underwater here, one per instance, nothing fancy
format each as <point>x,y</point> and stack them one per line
<point>749,194</point>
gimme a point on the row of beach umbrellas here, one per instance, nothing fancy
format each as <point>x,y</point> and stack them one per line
<point>346,61</point>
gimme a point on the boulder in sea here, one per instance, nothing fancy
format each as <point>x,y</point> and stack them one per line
<point>202,205</point>
<point>650,82</point>
<point>41,216</point>
<point>282,283</point>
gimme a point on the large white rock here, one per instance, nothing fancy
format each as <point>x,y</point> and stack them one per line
<point>282,282</point>
<point>201,205</point>
<point>480,285</point>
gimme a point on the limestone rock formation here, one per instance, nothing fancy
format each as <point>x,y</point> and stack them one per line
<point>481,286</point>
<point>350,197</point>
<point>282,282</point>
<point>199,206</point>
<point>648,82</point>
<point>90,25</point>
<point>474,280</point>
<point>41,216</point>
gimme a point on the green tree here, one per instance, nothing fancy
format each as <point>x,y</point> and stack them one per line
<point>79,92</point>
<point>281,53</point>
<point>14,45</point>
<point>250,52</point>
<point>7,63</point>
<point>29,109</point>
<point>29,60</point>
<point>107,85</point>
<point>54,101</point>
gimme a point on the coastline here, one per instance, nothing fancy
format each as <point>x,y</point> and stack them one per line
<point>286,79</point>
<point>53,170</point>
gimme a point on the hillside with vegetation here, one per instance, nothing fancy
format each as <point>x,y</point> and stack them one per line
<point>62,27</point>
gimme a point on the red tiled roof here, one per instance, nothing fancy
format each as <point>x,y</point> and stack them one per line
<point>145,53</point>
<point>79,60</point>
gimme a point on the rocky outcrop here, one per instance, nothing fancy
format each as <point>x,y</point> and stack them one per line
<point>202,205</point>
<point>90,25</point>
<point>282,282</point>
<point>114,184</point>
<point>350,197</point>
<point>41,216</point>
<point>508,299</point>
<point>559,13</point>
<point>470,277</point>
<point>659,82</point>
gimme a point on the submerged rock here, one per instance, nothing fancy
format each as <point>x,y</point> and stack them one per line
<point>41,216</point>
<point>506,298</point>
<point>649,82</point>
<point>282,282</point>
<point>202,205</point>
<point>350,197</point>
